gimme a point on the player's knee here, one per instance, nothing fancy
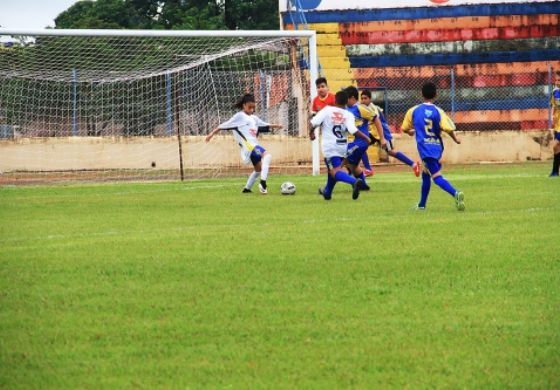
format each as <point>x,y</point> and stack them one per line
<point>436,175</point>
<point>267,157</point>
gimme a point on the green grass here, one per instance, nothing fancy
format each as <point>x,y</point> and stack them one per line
<point>194,285</point>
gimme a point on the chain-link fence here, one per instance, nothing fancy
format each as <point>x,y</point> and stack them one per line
<point>476,102</point>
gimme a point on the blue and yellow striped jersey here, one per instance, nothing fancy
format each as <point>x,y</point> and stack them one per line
<point>555,103</point>
<point>363,118</point>
<point>428,121</point>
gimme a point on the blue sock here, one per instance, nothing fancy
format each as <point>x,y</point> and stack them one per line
<point>363,177</point>
<point>365,160</point>
<point>404,158</point>
<point>344,177</point>
<point>426,184</point>
<point>445,185</point>
<point>331,182</point>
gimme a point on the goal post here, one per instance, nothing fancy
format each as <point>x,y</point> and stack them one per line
<point>136,104</point>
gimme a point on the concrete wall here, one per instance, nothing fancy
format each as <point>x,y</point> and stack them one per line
<point>80,153</point>
<point>488,146</point>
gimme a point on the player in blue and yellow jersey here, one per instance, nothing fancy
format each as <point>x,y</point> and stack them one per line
<point>358,148</point>
<point>555,103</point>
<point>427,121</point>
<point>365,99</point>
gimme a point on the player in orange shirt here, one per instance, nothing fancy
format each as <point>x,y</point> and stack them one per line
<point>324,97</point>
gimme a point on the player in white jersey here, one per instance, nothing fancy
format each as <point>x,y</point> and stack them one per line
<point>336,122</point>
<point>246,127</point>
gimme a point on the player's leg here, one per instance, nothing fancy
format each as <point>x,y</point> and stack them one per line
<point>327,190</point>
<point>355,154</point>
<point>403,157</point>
<point>424,190</point>
<point>267,158</point>
<point>434,167</point>
<point>368,170</point>
<point>257,156</point>
<point>339,174</point>
<point>556,159</point>
<point>251,180</point>
<point>356,183</point>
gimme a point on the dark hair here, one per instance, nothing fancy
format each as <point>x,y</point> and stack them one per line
<point>247,98</point>
<point>341,98</point>
<point>429,91</point>
<point>320,80</point>
<point>366,92</point>
<point>352,91</point>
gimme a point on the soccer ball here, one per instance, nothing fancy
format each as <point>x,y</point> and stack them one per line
<point>288,188</point>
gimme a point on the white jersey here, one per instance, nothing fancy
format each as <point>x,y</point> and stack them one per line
<point>335,123</point>
<point>245,131</point>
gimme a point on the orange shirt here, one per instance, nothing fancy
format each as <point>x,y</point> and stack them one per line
<point>320,103</point>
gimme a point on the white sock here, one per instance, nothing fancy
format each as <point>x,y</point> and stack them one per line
<point>251,180</point>
<point>265,165</point>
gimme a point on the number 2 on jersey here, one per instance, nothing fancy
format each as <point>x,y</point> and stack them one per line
<point>428,127</point>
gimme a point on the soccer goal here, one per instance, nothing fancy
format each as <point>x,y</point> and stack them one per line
<point>136,105</point>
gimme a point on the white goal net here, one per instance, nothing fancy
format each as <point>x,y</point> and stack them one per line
<point>136,105</point>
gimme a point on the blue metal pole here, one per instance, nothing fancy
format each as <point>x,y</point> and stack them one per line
<point>168,106</point>
<point>452,93</point>
<point>550,96</point>
<point>74,102</point>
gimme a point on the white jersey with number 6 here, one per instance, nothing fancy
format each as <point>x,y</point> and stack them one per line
<point>335,124</point>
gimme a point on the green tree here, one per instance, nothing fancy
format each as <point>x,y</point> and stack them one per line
<point>251,14</point>
<point>102,14</point>
<point>171,14</point>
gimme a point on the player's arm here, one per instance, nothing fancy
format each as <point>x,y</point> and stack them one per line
<point>232,123</point>
<point>212,134</point>
<point>370,115</point>
<point>379,126</point>
<point>350,123</point>
<point>447,125</point>
<point>265,127</point>
<point>407,126</point>
<point>314,122</point>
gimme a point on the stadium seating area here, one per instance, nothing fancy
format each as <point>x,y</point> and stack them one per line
<point>493,63</point>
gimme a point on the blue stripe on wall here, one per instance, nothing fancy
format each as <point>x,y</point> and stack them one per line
<point>348,16</point>
<point>501,104</point>
<point>478,105</point>
<point>455,58</point>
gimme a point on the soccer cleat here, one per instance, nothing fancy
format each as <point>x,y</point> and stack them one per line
<point>416,168</point>
<point>553,174</point>
<point>460,201</point>
<point>418,208</point>
<point>263,189</point>
<point>323,193</point>
<point>356,188</point>
<point>368,172</point>
<point>246,191</point>
<point>364,187</point>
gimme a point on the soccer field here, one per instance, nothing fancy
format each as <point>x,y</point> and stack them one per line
<point>195,285</point>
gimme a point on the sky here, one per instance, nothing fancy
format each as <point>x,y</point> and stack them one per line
<point>31,14</point>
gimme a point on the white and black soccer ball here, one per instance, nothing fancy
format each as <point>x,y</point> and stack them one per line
<point>288,188</point>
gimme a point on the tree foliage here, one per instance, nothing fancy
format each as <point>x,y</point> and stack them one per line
<point>171,14</point>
